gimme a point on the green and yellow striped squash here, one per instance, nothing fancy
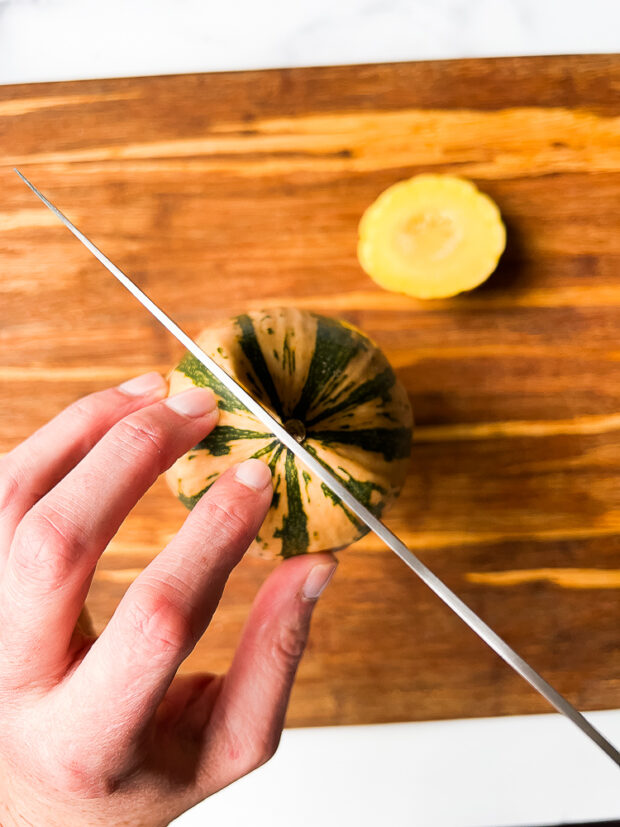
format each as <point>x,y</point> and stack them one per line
<point>334,390</point>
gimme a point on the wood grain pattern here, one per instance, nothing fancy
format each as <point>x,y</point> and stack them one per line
<point>224,192</point>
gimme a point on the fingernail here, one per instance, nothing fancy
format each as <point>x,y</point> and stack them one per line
<point>148,383</point>
<point>317,580</point>
<point>253,473</point>
<point>193,402</point>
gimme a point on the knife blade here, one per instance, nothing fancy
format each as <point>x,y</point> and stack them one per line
<point>482,629</point>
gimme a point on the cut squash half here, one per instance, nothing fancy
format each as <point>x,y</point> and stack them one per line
<point>431,236</point>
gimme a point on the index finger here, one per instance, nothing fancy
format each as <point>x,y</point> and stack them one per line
<point>36,465</point>
<point>165,611</point>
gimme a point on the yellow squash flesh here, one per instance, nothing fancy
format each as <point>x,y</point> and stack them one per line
<point>431,236</point>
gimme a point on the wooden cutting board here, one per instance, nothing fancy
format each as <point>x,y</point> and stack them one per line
<point>224,192</point>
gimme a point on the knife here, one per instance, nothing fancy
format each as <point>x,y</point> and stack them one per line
<point>455,603</point>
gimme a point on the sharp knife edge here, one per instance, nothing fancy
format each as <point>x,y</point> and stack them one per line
<point>466,614</point>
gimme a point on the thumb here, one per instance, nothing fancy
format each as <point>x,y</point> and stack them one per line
<point>248,717</point>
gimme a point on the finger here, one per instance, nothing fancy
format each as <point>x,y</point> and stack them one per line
<point>34,467</point>
<point>246,722</point>
<point>167,608</point>
<point>57,544</point>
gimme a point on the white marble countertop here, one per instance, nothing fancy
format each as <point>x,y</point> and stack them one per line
<point>71,39</point>
<point>528,770</point>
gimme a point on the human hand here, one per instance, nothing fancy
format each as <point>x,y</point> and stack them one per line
<point>100,732</point>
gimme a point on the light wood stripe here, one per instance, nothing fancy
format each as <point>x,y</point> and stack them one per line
<point>22,106</point>
<point>439,540</point>
<point>117,575</point>
<point>415,355</point>
<point>500,430</point>
<point>123,548</point>
<point>566,578</point>
<point>138,549</point>
<point>105,373</point>
<point>538,140</point>
<point>25,219</point>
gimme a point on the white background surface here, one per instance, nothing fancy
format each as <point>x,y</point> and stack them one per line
<point>489,772</point>
<point>63,39</point>
<point>510,771</point>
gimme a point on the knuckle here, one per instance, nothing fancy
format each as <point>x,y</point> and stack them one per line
<point>158,625</point>
<point>43,552</point>
<point>85,408</point>
<point>288,647</point>
<point>71,775</point>
<point>80,771</point>
<point>227,520</point>
<point>140,437</point>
